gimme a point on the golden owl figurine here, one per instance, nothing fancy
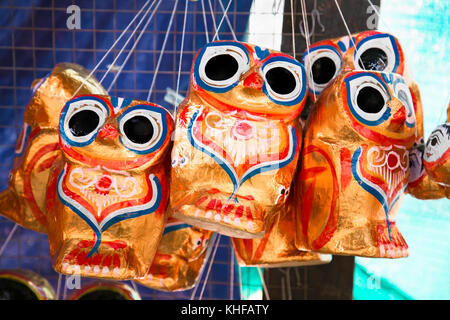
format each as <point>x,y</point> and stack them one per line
<point>237,138</point>
<point>374,51</point>
<point>106,198</point>
<point>355,167</point>
<point>180,257</point>
<point>37,146</point>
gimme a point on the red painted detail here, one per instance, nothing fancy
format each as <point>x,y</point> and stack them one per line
<point>108,132</point>
<point>249,197</point>
<point>239,211</point>
<point>392,160</point>
<point>96,259</point>
<point>81,258</point>
<point>227,209</point>
<point>71,254</point>
<point>116,260</point>
<point>48,163</point>
<point>201,200</point>
<point>399,117</point>
<point>213,191</point>
<point>211,204</point>
<point>248,245</point>
<point>262,245</point>
<point>107,261</point>
<point>346,169</point>
<point>254,81</point>
<point>104,184</point>
<point>248,210</point>
<point>218,206</point>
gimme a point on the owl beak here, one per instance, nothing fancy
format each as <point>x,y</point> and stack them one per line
<point>253,81</point>
<point>108,132</point>
<point>398,119</point>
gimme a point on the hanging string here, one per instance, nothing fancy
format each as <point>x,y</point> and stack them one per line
<point>308,43</point>
<point>113,45</point>
<point>213,19</point>
<point>239,281</point>
<point>209,267</point>
<point>231,270</point>
<point>125,45</point>
<point>207,256</point>
<point>228,20</point>
<point>266,292</point>
<point>133,284</point>
<point>293,30</point>
<point>8,238</point>
<point>204,21</point>
<point>58,288</point>
<point>379,15</point>
<point>181,56</point>
<point>221,20</point>
<point>134,47</point>
<point>65,288</point>
<point>162,51</point>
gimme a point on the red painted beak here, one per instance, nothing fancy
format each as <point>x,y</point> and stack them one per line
<point>108,132</point>
<point>254,81</point>
<point>398,119</point>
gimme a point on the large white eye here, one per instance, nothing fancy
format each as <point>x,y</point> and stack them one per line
<point>284,80</point>
<point>219,66</point>
<point>402,92</point>
<point>367,98</point>
<point>82,118</point>
<point>323,64</point>
<point>142,128</point>
<point>438,143</point>
<point>378,52</point>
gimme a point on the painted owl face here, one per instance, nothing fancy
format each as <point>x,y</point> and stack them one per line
<point>235,76</point>
<point>111,183</point>
<point>114,133</point>
<point>436,157</point>
<point>369,50</point>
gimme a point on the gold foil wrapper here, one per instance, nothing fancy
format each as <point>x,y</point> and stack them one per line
<point>235,149</point>
<point>37,147</point>
<point>107,196</point>
<point>105,290</point>
<point>179,259</point>
<point>36,287</point>
<point>355,168</point>
<point>277,248</point>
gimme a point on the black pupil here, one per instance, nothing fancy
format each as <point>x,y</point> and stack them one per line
<point>83,122</point>
<point>281,80</point>
<point>433,142</point>
<point>323,70</point>
<point>138,129</point>
<point>370,100</point>
<point>102,295</point>
<point>13,290</point>
<point>221,67</point>
<point>373,59</point>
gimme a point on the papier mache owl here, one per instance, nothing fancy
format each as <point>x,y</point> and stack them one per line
<point>37,146</point>
<point>355,167</point>
<point>237,138</point>
<point>376,51</point>
<point>180,257</point>
<point>107,196</point>
<point>436,157</point>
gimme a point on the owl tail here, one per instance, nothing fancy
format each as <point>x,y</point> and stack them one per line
<point>9,206</point>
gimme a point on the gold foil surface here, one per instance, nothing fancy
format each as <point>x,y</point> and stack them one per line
<point>236,139</point>
<point>437,154</point>
<point>105,290</point>
<point>107,195</point>
<point>355,168</point>
<point>37,146</point>
<point>39,286</point>
<point>179,259</point>
<point>277,248</point>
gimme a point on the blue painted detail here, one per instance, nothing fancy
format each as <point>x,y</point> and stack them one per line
<point>175,227</point>
<point>125,103</point>
<point>262,54</point>
<point>342,46</point>
<point>25,142</point>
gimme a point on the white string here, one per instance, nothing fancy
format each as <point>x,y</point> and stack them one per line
<point>204,21</point>
<point>11,233</point>
<point>134,46</point>
<point>113,45</point>
<point>231,271</point>
<point>240,281</point>
<point>228,21</point>
<point>58,288</point>
<point>266,292</point>
<point>209,267</point>
<point>308,43</point>
<point>221,20</point>
<point>207,256</point>
<point>133,284</point>
<point>65,288</point>
<point>125,45</point>
<point>181,56</point>
<point>293,30</point>
<point>162,51</point>
<point>213,19</point>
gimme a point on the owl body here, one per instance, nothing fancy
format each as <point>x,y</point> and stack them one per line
<point>355,168</point>
<point>107,196</point>
<point>180,257</point>
<point>37,147</point>
<point>236,139</point>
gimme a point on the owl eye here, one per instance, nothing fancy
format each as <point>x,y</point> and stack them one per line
<point>402,92</point>
<point>367,98</point>
<point>142,128</point>
<point>219,66</point>
<point>81,120</point>
<point>323,63</point>
<point>378,53</point>
<point>438,143</point>
<point>284,80</point>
